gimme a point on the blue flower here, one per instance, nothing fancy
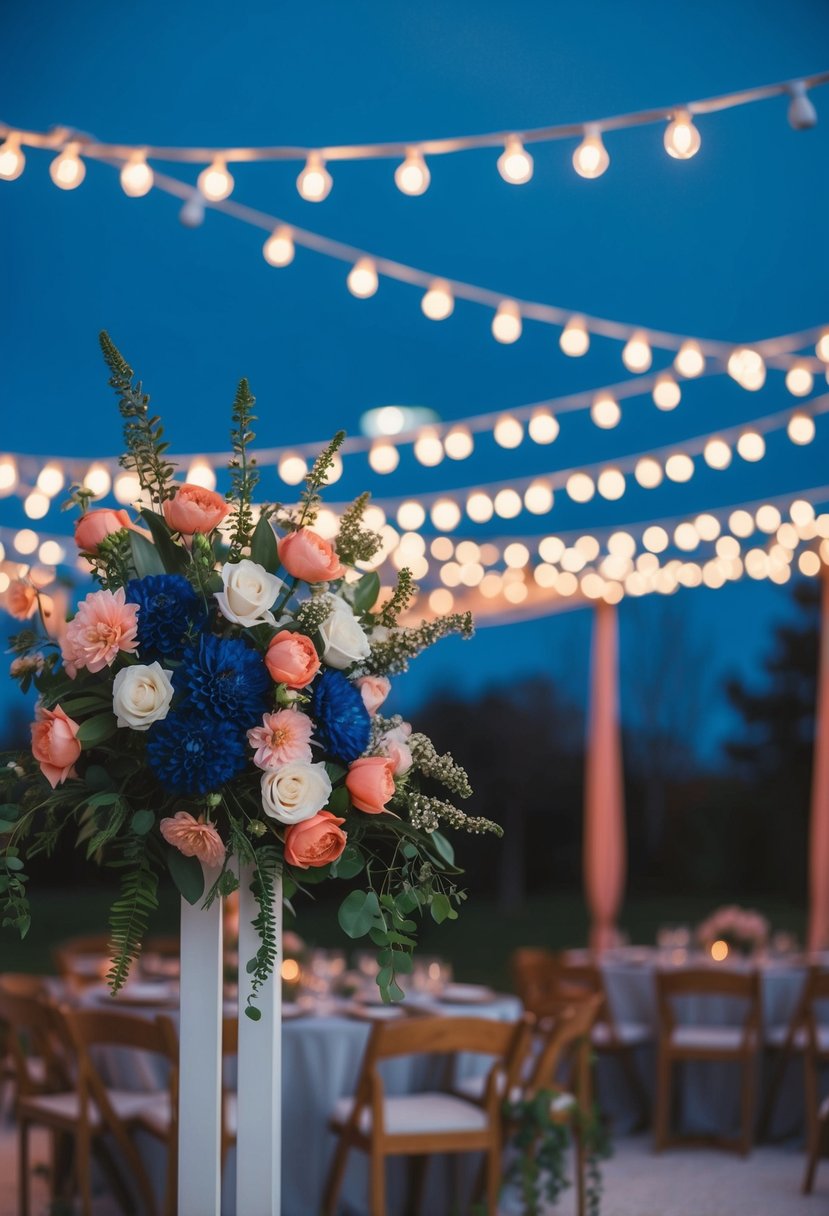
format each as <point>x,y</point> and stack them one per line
<point>342,721</point>
<point>224,678</point>
<point>192,754</point>
<point>168,609</point>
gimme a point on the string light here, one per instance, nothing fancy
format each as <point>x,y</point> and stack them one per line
<point>508,432</point>
<point>458,443</point>
<point>808,563</point>
<point>12,159</point>
<point>751,446</point>
<point>637,355</point>
<point>127,488</point>
<point>506,324</point>
<point>136,176</point>
<point>67,170</point>
<point>746,366</point>
<point>479,507</point>
<point>575,339</point>
<point>590,158</point>
<point>441,601</point>
<point>410,516</point>
<point>412,176</point>
<point>515,164</point>
<point>708,526</point>
<point>799,380</point>
<point>51,553</point>
<point>648,473</point>
<point>26,541</point>
<point>801,428</point>
<point>682,139</point>
<point>292,468</point>
<point>801,114</point>
<point>802,513</point>
<point>98,480</point>
<point>767,518</point>
<point>51,480</point>
<point>611,484</point>
<point>550,548</point>
<point>314,182</point>
<point>543,427</point>
<point>279,249</point>
<point>717,454</point>
<point>690,361</point>
<point>580,487</point>
<point>383,457</point>
<point>666,392</point>
<point>605,412</point>
<point>741,523</point>
<point>508,503</point>
<point>655,539</point>
<point>202,474</point>
<point>686,537</point>
<point>822,347</point>
<point>36,505</point>
<point>437,303</point>
<point>428,448</point>
<point>215,182</point>
<point>679,467</point>
<point>446,514</point>
<point>538,498</point>
<point>516,555</point>
<point>362,279</point>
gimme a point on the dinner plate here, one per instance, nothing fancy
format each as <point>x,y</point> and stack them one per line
<point>466,994</point>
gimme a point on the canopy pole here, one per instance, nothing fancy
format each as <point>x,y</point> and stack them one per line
<point>605,848</point>
<point>819,828</point>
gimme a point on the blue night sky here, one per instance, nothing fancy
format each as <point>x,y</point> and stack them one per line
<point>731,244</point>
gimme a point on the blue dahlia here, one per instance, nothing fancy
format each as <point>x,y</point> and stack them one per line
<point>225,678</point>
<point>168,609</point>
<point>342,720</point>
<point>193,754</point>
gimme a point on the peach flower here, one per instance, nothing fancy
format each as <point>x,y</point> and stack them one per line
<point>194,509</point>
<point>374,690</point>
<point>370,782</point>
<point>21,599</point>
<point>103,625</point>
<point>308,556</point>
<point>315,841</point>
<point>282,737</point>
<point>93,526</point>
<point>394,744</point>
<point>292,659</point>
<point>55,744</point>
<point>194,838</point>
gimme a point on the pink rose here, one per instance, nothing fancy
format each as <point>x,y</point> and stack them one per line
<point>394,745</point>
<point>374,690</point>
<point>55,744</point>
<point>21,599</point>
<point>194,509</point>
<point>194,838</point>
<point>310,557</point>
<point>292,659</point>
<point>370,782</point>
<point>315,841</point>
<point>103,625</point>
<point>93,526</point>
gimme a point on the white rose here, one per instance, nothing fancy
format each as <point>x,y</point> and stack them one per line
<point>295,791</point>
<point>343,637</point>
<point>249,593</point>
<point>141,695</point>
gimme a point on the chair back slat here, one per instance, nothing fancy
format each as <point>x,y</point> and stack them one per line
<point>707,982</point>
<point>570,1031</point>
<point>33,1028</point>
<point>440,1036</point>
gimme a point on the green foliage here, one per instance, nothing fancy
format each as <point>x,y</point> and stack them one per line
<point>186,873</point>
<point>365,592</point>
<point>143,434</point>
<point>263,548</point>
<point>267,866</point>
<point>244,476</point>
<point>130,914</point>
<point>309,499</point>
<point>401,598</point>
<point>354,542</point>
<point>542,1145</point>
<point>393,655</point>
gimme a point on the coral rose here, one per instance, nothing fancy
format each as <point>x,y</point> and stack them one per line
<point>194,838</point>
<point>282,737</point>
<point>292,659</point>
<point>55,744</point>
<point>370,782</point>
<point>315,842</point>
<point>21,599</point>
<point>373,690</point>
<point>194,509</point>
<point>93,526</point>
<point>308,556</point>
<point>103,625</point>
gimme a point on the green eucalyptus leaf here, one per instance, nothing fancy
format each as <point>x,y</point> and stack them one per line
<point>339,802</point>
<point>97,777</point>
<point>349,864</point>
<point>187,874</point>
<point>365,592</point>
<point>145,557</point>
<point>440,908</point>
<point>174,557</point>
<point>142,822</point>
<point>263,548</point>
<point>96,730</point>
<point>253,1013</point>
<point>358,913</point>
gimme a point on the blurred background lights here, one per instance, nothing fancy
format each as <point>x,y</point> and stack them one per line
<point>215,182</point>
<point>508,432</point>
<point>51,479</point>
<point>36,504</point>
<point>682,139</point>
<point>383,457</point>
<point>446,514</point>
<point>648,472</point>
<point>575,340</point>
<point>679,467</point>
<point>690,361</point>
<point>202,474</point>
<point>458,443</point>
<point>717,454</point>
<point>580,487</point>
<point>605,411</point>
<point>26,541</point>
<point>508,503</point>
<point>278,249</point>
<point>98,480</point>
<point>437,303</point>
<point>746,366</point>
<point>538,498</point>
<point>666,392</point>
<point>506,324</point>
<point>412,175</point>
<point>428,448</point>
<point>362,279</point>
<point>799,380</point>
<point>292,468</point>
<point>611,484</point>
<point>543,427</point>
<point>127,488</point>
<point>637,355</point>
<point>751,446</point>
<point>479,507</point>
<point>741,523</point>
<point>801,428</point>
<point>655,538</point>
<point>590,158</point>
<point>314,182</point>
<point>515,164</point>
<point>8,474</point>
<point>136,177</point>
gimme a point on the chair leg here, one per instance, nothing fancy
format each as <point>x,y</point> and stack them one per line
<point>171,1180</point>
<point>662,1107</point>
<point>377,1184</point>
<point>747,1113</point>
<point>581,1173</point>
<point>334,1181</point>
<point>764,1123</point>
<point>417,1189</point>
<point>83,1177</point>
<point>23,1168</point>
<point>493,1179</point>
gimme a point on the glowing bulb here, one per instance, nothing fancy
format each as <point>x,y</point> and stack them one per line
<point>391,420</point>
<point>682,139</point>
<point>605,411</point>
<point>802,513</point>
<point>550,548</point>
<point>728,547</point>
<point>516,593</point>
<point>801,114</point>
<point>768,518</point>
<point>648,473</point>
<point>655,539</point>
<point>751,446</point>
<point>215,182</point>
<point>51,480</point>
<point>36,505</point>
<point>410,516</point>
<point>51,553</point>
<point>383,457</point>
<point>428,448</point>
<point>127,488</point>
<point>458,443</point>
<point>746,366</point>
<point>202,474</point>
<point>279,248</point>
<point>809,563</point>
<point>97,480</point>
<point>136,176</point>
<point>506,324</point>
<point>441,601</point>
<point>690,361</point>
<point>621,544</point>
<point>822,346</point>
<point>515,164</point>
<point>508,432</point>
<point>741,523</point>
<point>412,175</point>
<point>799,380</point>
<point>637,355</point>
<point>686,537</point>
<point>666,392</point>
<point>679,467</point>
<point>717,454</point>
<point>543,427</point>
<point>314,182</point>
<point>588,547</point>
<point>538,498</point>
<point>801,428</point>
<point>446,514</point>
<point>708,526</point>
<point>12,160</point>
<point>479,507</point>
<point>590,158</point>
<point>575,340</point>
<point>335,471</point>
<point>611,484</point>
<point>516,556</point>
<point>580,487</point>
<point>68,170</point>
<point>362,279</point>
<point>292,468</point>
<point>26,541</point>
<point>508,504</point>
<point>437,303</point>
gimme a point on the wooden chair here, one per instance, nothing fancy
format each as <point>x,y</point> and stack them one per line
<point>815,1056</point>
<point>74,960</point>
<point>17,983</point>
<point>424,1123</point>
<point>782,1043</point>
<point>735,1044</point>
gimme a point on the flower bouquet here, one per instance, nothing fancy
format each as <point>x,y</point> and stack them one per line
<point>742,929</point>
<point>215,705</point>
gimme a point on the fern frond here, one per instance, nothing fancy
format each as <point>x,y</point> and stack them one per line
<point>244,475</point>
<point>129,916</point>
<point>267,867</point>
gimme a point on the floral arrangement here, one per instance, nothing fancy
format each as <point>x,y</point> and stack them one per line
<point>214,707</point>
<point>743,928</point>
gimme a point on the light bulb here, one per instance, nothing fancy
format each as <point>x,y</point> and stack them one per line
<point>428,448</point>
<point>51,553</point>
<point>508,503</point>
<point>201,474</point>
<point>611,484</point>
<point>36,505</point>
<point>686,537</point>
<point>516,556</point>
<point>648,473</point>
<point>809,563</point>
<point>682,139</point>
<point>515,164</point>
<point>51,480</point>
<point>637,355</point>
<point>412,175</point>
<point>655,539</point>
<point>708,526</point>
<point>438,303</point>
<point>479,507</point>
<point>12,160</point>
<point>458,443</point>
<point>26,541</point>
<point>741,523</point>
<point>410,515</point>
<point>192,213</point>
<point>97,480</point>
<point>136,176</point>
<point>801,428</point>
<point>580,487</point>
<point>362,279</point>
<point>679,467</point>
<point>68,170</point>
<point>215,182</point>
<point>751,446</point>
<point>538,498</point>
<point>690,361</point>
<point>605,412</point>
<point>508,432</point>
<point>822,346</point>
<point>746,366</point>
<point>543,427</point>
<point>314,182</point>
<point>575,340</point>
<point>446,514</point>
<point>127,488</point>
<point>666,392</point>
<point>383,457</point>
<point>590,158</point>
<point>802,114</point>
<point>506,324</point>
<point>279,249</point>
<point>768,518</point>
<point>799,380</point>
<point>717,454</point>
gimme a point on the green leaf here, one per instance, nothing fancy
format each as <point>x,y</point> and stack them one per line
<point>263,548</point>
<point>95,730</point>
<point>142,822</point>
<point>6,826</point>
<point>253,1013</point>
<point>187,874</point>
<point>365,592</point>
<point>358,913</point>
<point>336,772</point>
<point>13,863</point>
<point>442,847</point>
<point>105,798</point>
<point>145,557</point>
<point>174,557</point>
<point>441,908</point>
<point>349,864</point>
<point>97,778</point>
<point>339,802</point>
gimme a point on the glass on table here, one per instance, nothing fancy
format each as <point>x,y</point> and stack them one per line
<point>430,976</point>
<point>323,972</point>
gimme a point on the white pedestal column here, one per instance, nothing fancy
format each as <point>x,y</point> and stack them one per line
<point>259,1134</point>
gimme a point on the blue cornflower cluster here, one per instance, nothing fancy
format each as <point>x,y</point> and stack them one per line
<point>169,610</point>
<point>342,721</point>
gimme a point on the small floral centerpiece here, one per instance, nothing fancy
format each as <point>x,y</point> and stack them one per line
<point>215,705</point>
<point>742,929</point>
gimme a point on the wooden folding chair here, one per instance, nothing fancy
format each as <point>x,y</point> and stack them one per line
<point>815,1056</point>
<point>782,1043</point>
<point>725,1044</point>
<point>424,1123</point>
